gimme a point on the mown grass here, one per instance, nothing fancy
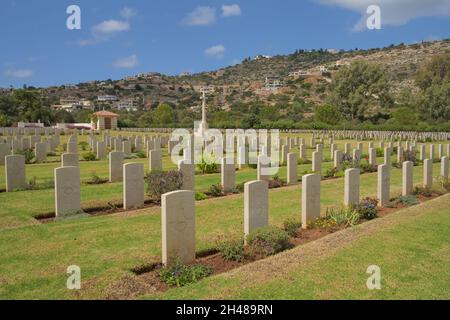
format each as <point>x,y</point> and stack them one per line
<point>35,257</point>
<point>411,248</point>
<point>20,207</point>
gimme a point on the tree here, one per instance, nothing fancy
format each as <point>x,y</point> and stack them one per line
<point>163,115</point>
<point>434,83</point>
<point>327,114</point>
<point>358,88</point>
<point>404,116</point>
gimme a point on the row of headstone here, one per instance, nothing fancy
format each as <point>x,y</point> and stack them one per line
<point>178,207</point>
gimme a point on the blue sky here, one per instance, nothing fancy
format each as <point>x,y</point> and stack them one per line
<point>125,37</point>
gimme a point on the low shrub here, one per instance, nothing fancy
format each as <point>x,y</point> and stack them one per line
<point>159,183</point>
<point>199,196</point>
<point>408,201</point>
<point>178,274</point>
<point>89,156</point>
<point>366,167</point>
<point>231,250</point>
<point>304,161</point>
<point>331,173</point>
<point>423,191</point>
<point>208,164</point>
<point>83,145</point>
<point>380,152</point>
<point>253,165</point>
<point>140,154</point>
<point>350,164</point>
<point>95,179</point>
<point>343,216</point>
<point>215,190</point>
<point>46,184</point>
<point>276,182</point>
<point>443,183</point>
<point>240,187</point>
<point>409,156</point>
<point>367,208</point>
<point>268,240</point>
<point>28,154</point>
<point>324,222</point>
<point>292,227</point>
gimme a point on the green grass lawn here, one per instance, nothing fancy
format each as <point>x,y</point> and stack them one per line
<point>19,208</point>
<point>35,257</point>
<point>411,247</point>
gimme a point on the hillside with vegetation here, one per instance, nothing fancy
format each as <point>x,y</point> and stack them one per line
<point>397,87</point>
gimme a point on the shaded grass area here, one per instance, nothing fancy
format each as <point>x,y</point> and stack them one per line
<point>411,248</point>
<point>35,258</point>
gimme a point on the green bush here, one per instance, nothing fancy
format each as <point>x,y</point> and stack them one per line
<point>208,164</point>
<point>331,173</point>
<point>367,208</point>
<point>159,183</point>
<point>83,145</point>
<point>276,182</point>
<point>343,216</point>
<point>95,179</point>
<point>89,156</point>
<point>408,201</point>
<point>292,227</point>
<point>380,152</point>
<point>215,190</point>
<point>140,154</point>
<point>366,167</point>
<point>34,185</point>
<point>231,250</point>
<point>304,161</point>
<point>268,240</point>
<point>180,275</point>
<point>28,154</point>
<point>240,187</point>
<point>199,196</point>
<point>423,191</point>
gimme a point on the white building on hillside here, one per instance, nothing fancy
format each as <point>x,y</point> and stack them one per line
<point>126,104</point>
<point>107,98</point>
<point>273,82</point>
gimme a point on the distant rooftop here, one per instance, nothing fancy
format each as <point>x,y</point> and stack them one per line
<point>104,113</point>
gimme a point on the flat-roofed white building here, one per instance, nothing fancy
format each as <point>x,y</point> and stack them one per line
<point>107,98</point>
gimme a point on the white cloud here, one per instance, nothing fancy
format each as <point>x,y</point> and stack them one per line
<point>128,13</point>
<point>394,12</point>
<point>110,27</point>
<point>201,16</point>
<point>19,73</point>
<point>84,42</point>
<point>216,51</point>
<point>231,10</point>
<point>127,62</point>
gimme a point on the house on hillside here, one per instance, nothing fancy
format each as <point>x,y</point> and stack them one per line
<point>106,120</point>
<point>298,74</point>
<point>128,104</point>
<point>273,82</point>
<point>107,98</point>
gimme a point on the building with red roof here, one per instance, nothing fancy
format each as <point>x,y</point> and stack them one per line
<point>106,120</point>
